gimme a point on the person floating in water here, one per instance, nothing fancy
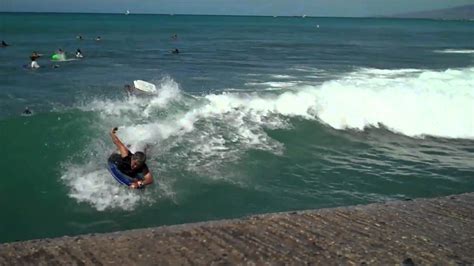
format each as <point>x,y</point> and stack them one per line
<point>27,112</point>
<point>132,90</point>
<point>34,55</point>
<point>129,89</point>
<point>98,38</point>
<point>174,36</point>
<point>59,55</point>
<point>79,37</point>
<point>175,51</point>
<point>4,44</point>
<point>131,164</point>
<point>79,53</point>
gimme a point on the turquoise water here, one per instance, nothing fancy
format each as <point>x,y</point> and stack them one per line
<point>255,115</point>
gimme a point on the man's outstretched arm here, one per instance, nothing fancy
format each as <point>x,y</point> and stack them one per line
<point>121,147</point>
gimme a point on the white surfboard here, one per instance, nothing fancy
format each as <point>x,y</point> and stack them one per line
<point>144,86</point>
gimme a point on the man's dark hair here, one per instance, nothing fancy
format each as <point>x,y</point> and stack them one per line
<point>140,157</point>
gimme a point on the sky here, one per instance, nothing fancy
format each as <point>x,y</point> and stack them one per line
<point>333,8</point>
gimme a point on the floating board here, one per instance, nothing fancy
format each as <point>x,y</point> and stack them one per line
<point>65,60</point>
<point>28,67</point>
<point>115,172</point>
<point>144,86</point>
<point>58,57</point>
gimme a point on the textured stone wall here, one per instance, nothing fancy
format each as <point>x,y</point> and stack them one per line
<point>424,231</point>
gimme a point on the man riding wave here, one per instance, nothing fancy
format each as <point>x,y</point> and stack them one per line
<point>131,164</point>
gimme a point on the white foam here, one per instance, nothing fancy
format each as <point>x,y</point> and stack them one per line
<point>93,184</point>
<point>437,103</point>
<point>282,76</point>
<point>409,101</point>
<point>168,91</point>
<point>273,84</point>
<point>217,129</point>
<point>455,51</point>
<point>369,72</point>
<point>112,107</point>
<point>90,182</point>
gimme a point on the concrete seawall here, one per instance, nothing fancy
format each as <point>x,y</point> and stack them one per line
<point>424,231</point>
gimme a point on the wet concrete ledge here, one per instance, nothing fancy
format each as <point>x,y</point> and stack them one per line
<point>424,231</point>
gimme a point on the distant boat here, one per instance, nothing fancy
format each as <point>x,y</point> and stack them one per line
<point>127,12</point>
<point>303,16</point>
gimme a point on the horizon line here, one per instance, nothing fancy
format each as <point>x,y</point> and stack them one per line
<point>183,14</point>
<point>231,15</point>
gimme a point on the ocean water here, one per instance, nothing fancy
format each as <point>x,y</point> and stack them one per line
<point>255,115</point>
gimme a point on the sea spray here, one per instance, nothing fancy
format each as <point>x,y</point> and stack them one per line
<point>217,129</point>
